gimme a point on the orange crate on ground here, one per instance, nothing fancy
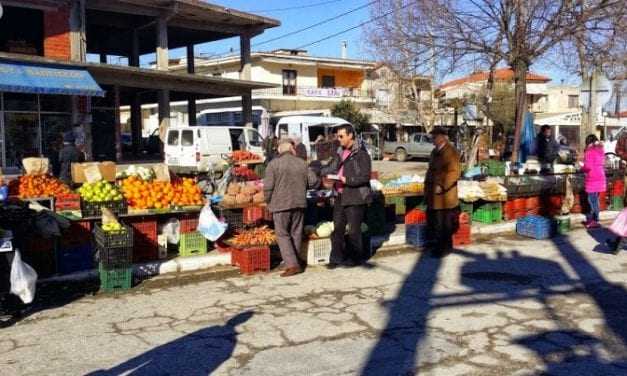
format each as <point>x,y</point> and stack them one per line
<point>251,260</point>
<point>415,217</point>
<point>462,236</point>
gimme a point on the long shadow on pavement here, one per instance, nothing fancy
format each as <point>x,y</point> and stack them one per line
<point>198,353</point>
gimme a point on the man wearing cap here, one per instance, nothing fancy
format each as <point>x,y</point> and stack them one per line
<point>441,194</point>
<point>67,155</point>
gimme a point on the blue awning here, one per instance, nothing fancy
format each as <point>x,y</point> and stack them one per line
<point>41,79</point>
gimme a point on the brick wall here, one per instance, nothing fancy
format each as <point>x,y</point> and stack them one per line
<point>57,34</point>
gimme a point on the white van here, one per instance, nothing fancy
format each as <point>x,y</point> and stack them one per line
<point>196,149</point>
<point>308,128</point>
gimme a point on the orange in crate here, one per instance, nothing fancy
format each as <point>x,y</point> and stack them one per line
<point>415,217</point>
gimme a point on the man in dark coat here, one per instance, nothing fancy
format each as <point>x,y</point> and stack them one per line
<point>547,148</point>
<point>285,189</point>
<point>69,154</point>
<point>353,167</point>
<point>441,194</point>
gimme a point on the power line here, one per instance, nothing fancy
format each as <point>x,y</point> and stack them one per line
<point>295,7</point>
<point>305,28</point>
<point>352,28</point>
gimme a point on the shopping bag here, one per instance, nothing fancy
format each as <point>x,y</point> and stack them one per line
<point>619,227</point>
<point>209,225</point>
<point>23,279</point>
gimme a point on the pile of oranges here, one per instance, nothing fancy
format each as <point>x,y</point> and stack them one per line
<point>141,194</point>
<point>32,186</point>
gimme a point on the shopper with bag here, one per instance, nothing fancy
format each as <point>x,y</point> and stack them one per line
<point>594,169</point>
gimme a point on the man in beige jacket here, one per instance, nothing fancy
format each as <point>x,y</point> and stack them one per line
<point>441,193</point>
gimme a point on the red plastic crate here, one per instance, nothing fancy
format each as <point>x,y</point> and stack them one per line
<point>464,219</point>
<point>189,223</point>
<point>145,245</point>
<point>618,188</point>
<point>67,202</point>
<point>415,217</point>
<point>251,260</point>
<point>532,203</point>
<point>253,214</point>
<point>603,201</point>
<point>462,236</point>
<point>78,234</point>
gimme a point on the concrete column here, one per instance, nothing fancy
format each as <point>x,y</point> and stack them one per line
<point>191,99</point>
<point>136,123</point>
<point>117,125</point>
<point>78,46</point>
<point>133,59</point>
<point>162,44</point>
<point>245,74</point>
<point>164,113</point>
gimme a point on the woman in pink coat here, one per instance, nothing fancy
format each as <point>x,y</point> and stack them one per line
<point>594,168</point>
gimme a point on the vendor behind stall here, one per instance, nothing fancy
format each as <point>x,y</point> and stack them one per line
<point>547,148</point>
<point>69,154</point>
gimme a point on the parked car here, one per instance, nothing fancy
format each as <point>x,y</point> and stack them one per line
<point>420,146</point>
<point>198,149</point>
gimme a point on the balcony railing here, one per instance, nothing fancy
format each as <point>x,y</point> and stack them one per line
<point>318,92</point>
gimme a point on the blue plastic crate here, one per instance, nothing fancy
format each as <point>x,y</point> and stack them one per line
<point>535,226</point>
<point>76,259</point>
<point>416,235</point>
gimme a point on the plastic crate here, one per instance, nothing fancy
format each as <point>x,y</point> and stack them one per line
<point>536,227</point>
<point>497,212</point>
<point>251,260</point>
<point>465,219</point>
<point>70,260</point>
<point>318,251</point>
<point>253,214</point>
<point>115,258</point>
<point>562,224</point>
<point>494,168</point>
<point>462,236</point>
<point>67,202</point>
<point>416,235</point>
<point>399,204</point>
<point>466,207</point>
<point>145,244</point>
<point>484,214</point>
<point>112,280</point>
<point>189,223</point>
<point>192,244</point>
<point>94,209</point>
<point>617,203</point>
<point>233,217</point>
<point>415,216</point>
<point>78,234</point>
<point>122,239</point>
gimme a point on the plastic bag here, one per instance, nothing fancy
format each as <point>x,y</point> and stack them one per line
<point>209,225</point>
<point>172,230</point>
<point>23,279</point>
<point>619,226</point>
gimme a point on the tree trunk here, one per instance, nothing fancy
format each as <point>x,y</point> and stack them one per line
<point>588,113</point>
<point>520,91</point>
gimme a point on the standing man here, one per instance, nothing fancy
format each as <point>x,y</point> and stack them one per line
<point>285,190</point>
<point>69,154</point>
<point>547,148</point>
<point>353,167</point>
<point>299,147</point>
<point>441,194</point>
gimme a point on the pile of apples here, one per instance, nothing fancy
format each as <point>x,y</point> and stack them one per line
<point>113,228</point>
<point>101,191</point>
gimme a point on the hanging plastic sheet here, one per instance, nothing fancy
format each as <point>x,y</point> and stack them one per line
<point>527,139</point>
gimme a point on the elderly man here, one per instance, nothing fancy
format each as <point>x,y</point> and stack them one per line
<point>441,194</point>
<point>285,189</point>
<point>299,147</point>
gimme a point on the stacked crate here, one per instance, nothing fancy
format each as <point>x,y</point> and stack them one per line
<point>416,235</point>
<point>192,242</point>
<point>74,250</point>
<point>145,242</point>
<point>617,195</point>
<point>488,212</point>
<point>115,252</point>
<point>463,234</point>
<point>535,226</point>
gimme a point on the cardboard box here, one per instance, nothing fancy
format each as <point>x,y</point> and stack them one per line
<point>107,170</point>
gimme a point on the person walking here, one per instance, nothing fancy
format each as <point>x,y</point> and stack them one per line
<point>547,149</point>
<point>299,147</point>
<point>352,166</point>
<point>594,170</point>
<point>441,194</point>
<point>67,155</point>
<point>285,189</point>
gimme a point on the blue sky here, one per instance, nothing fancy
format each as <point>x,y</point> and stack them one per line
<point>296,19</point>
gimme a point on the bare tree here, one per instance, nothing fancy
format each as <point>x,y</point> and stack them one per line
<point>448,35</point>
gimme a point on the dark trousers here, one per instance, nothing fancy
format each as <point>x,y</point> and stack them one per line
<point>350,248</point>
<point>441,225</point>
<point>288,226</point>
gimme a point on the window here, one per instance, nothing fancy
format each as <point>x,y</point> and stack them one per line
<point>289,82</point>
<point>22,30</point>
<point>254,138</point>
<point>328,81</point>
<point>573,101</point>
<point>383,97</point>
<point>187,138</point>
<point>173,138</point>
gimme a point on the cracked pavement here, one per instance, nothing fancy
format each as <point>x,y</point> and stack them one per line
<point>502,306</point>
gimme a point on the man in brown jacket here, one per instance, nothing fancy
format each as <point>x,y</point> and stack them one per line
<point>441,194</point>
<point>285,189</point>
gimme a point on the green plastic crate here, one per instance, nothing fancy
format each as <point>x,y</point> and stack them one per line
<point>617,203</point>
<point>497,212</point>
<point>562,224</point>
<point>494,168</point>
<point>192,244</point>
<point>118,279</point>
<point>398,202</point>
<point>488,213</point>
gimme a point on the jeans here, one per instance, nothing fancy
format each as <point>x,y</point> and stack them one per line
<point>593,199</point>
<point>344,249</point>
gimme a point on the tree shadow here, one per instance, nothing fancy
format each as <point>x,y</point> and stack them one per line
<point>198,353</point>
